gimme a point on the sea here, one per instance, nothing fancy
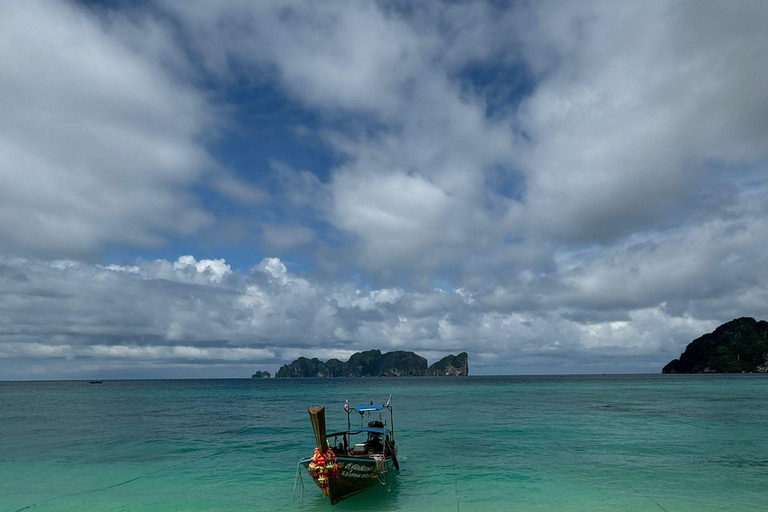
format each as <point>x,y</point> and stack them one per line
<point>652,443</point>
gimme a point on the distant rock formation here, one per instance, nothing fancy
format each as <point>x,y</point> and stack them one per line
<point>738,346</point>
<point>261,375</point>
<point>303,367</point>
<point>372,363</point>
<point>454,366</point>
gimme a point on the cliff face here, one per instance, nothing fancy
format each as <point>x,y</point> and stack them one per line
<point>455,366</point>
<point>261,375</point>
<point>402,364</point>
<point>303,367</point>
<point>363,364</point>
<point>372,363</point>
<point>740,345</point>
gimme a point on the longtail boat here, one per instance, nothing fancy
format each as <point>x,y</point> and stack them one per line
<point>353,460</point>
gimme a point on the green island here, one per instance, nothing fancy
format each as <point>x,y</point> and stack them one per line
<point>261,375</point>
<point>738,346</point>
<point>372,363</point>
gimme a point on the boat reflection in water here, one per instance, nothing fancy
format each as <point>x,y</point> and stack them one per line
<point>353,460</point>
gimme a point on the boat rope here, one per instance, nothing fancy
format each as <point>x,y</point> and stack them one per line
<point>298,481</point>
<point>455,481</point>
<point>124,482</point>
<point>287,503</point>
<point>578,455</point>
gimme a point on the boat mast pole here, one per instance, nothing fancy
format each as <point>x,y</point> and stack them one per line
<point>391,421</point>
<point>317,417</point>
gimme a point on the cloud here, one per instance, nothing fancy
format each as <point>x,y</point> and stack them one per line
<point>196,315</point>
<point>552,188</point>
<point>100,140</point>
<point>237,189</point>
<point>477,140</point>
<point>392,214</point>
<point>605,138</point>
<point>284,236</point>
<point>157,354</point>
<point>410,137</point>
<point>215,270</point>
<point>643,114</point>
<point>683,269</point>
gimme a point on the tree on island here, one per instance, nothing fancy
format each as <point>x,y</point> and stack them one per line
<point>739,346</point>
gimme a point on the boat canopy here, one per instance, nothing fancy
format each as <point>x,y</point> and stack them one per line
<point>370,430</point>
<point>369,407</point>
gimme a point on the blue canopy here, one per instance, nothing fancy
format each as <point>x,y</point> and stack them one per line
<point>369,407</point>
<point>376,430</point>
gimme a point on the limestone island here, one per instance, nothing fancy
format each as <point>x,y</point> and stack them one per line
<point>372,363</point>
<point>261,375</point>
<point>739,346</point>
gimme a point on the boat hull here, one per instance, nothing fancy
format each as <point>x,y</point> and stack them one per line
<point>355,475</point>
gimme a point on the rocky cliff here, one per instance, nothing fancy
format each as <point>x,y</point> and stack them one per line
<point>401,364</point>
<point>303,367</point>
<point>261,375</point>
<point>738,346</point>
<point>372,363</point>
<point>454,366</point>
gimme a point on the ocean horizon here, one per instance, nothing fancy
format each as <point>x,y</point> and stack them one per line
<point>474,375</point>
<point>541,443</point>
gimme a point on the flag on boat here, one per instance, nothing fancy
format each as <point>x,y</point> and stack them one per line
<point>346,405</point>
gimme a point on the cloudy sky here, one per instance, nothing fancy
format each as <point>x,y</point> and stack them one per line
<point>200,190</point>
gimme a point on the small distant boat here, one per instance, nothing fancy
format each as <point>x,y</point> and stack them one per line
<point>353,460</point>
<point>96,382</point>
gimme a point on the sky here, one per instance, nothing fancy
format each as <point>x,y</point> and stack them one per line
<point>198,190</point>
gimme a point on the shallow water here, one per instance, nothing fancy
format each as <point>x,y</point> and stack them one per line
<point>553,443</point>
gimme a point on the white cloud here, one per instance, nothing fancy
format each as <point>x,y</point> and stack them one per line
<point>99,140</point>
<point>214,269</point>
<point>677,268</point>
<point>183,316</point>
<point>275,268</point>
<point>641,111</point>
<point>394,215</point>
<point>416,146</point>
<point>636,117</point>
<point>585,183</point>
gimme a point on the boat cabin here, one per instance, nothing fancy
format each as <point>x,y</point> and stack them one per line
<point>375,439</point>
<point>361,442</point>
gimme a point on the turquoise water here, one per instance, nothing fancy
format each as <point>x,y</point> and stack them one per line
<point>556,443</point>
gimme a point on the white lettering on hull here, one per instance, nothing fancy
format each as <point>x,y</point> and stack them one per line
<point>354,470</point>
